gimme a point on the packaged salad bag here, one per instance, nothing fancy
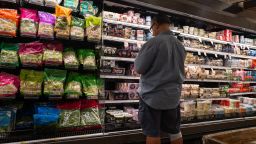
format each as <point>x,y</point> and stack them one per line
<point>31,83</point>
<point>73,88</point>
<point>70,59</point>
<point>90,87</point>
<point>54,83</point>
<point>70,114</point>
<point>31,54</point>
<point>90,117</point>
<point>53,54</point>
<point>77,28</point>
<point>87,8</point>
<point>73,4</point>
<point>8,22</point>
<point>93,28</point>
<point>9,85</point>
<point>63,21</point>
<point>28,22</point>
<point>87,58</point>
<point>46,25</point>
<point>9,55</point>
<point>5,121</point>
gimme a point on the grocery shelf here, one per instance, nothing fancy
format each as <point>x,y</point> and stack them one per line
<point>119,77</point>
<point>117,39</point>
<point>127,24</point>
<point>118,58</point>
<point>118,101</point>
<point>217,81</point>
<point>214,40</point>
<point>209,66</point>
<point>239,94</point>
<point>212,98</point>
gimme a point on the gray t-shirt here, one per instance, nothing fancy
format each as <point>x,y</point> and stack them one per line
<point>161,65</point>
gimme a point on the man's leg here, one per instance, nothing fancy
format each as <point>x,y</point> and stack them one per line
<point>153,140</point>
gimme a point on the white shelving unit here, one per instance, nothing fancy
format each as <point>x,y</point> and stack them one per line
<point>119,77</point>
<point>245,93</point>
<point>127,24</point>
<point>118,101</point>
<point>117,39</point>
<point>118,58</point>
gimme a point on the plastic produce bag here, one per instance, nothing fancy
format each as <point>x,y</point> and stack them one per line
<point>28,23</point>
<point>31,83</point>
<point>8,22</point>
<point>53,54</point>
<point>46,25</point>
<point>70,59</point>
<point>93,28</point>
<point>70,114</point>
<point>77,28</point>
<point>90,113</point>
<point>73,88</point>
<point>73,4</point>
<point>87,8</point>
<point>5,121</point>
<point>37,2</point>
<point>52,3</point>
<point>54,82</point>
<point>44,123</point>
<point>9,84</point>
<point>90,88</point>
<point>87,58</point>
<point>9,55</point>
<point>63,21</point>
<point>31,54</point>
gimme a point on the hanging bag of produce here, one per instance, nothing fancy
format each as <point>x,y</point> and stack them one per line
<point>63,21</point>
<point>73,4</point>
<point>54,83</point>
<point>53,54</point>
<point>87,58</point>
<point>70,59</point>
<point>46,25</point>
<point>73,88</point>
<point>9,55</point>
<point>9,85</point>
<point>90,87</point>
<point>31,54</point>
<point>90,114</point>
<point>77,29</point>
<point>93,28</point>
<point>28,23</point>
<point>8,22</point>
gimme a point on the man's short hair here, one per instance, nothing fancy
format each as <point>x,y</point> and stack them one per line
<point>162,19</point>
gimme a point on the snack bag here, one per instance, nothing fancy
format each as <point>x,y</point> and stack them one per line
<point>53,54</point>
<point>77,28</point>
<point>31,83</point>
<point>37,2</point>
<point>9,55</point>
<point>52,3</point>
<point>54,82</point>
<point>63,21</point>
<point>5,121</point>
<point>28,23</point>
<point>87,8</point>
<point>70,114</point>
<point>46,25</point>
<point>9,84</point>
<point>70,59</point>
<point>31,54</point>
<point>73,88</point>
<point>90,114</point>
<point>8,22</point>
<point>90,88</point>
<point>73,4</point>
<point>93,28</point>
<point>87,58</point>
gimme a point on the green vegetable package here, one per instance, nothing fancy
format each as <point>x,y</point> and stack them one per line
<point>9,55</point>
<point>73,88</point>
<point>90,87</point>
<point>87,58</point>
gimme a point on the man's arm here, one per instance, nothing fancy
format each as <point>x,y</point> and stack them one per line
<point>146,56</point>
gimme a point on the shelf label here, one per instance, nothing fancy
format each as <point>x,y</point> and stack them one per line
<point>216,55</point>
<point>205,54</point>
<point>230,57</point>
<point>199,53</point>
<point>225,56</point>
<point>211,42</point>
<point>200,40</point>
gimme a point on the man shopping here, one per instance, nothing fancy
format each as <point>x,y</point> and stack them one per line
<point>161,65</point>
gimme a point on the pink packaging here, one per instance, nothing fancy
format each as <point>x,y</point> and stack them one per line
<point>9,84</point>
<point>46,25</point>
<point>29,22</point>
<point>228,35</point>
<point>130,13</point>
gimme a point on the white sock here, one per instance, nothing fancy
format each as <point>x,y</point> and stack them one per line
<point>174,137</point>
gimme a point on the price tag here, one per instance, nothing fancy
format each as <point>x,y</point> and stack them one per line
<point>211,42</point>
<point>211,69</point>
<point>199,53</point>
<point>200,40</point>
<point>205,54</point>
<point>216,55</point>
<point>225,56</point>
<point>229,56</point>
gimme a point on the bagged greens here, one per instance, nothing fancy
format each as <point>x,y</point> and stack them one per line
<point>31,54</point>
<point>5,121</point>
<point>93,28</point>
<point>90,87</point>
<point>77,28</point>
<point>63,21</point>
<point>90,113</point>
<point>73,4</point>
<point>9,84</point>
<point>70,59</point>
<point>87,8</point>
<point>9,55</point>
<point>29,22</point>
<point>87,58</point>
<point>73,88</point>
<point>53,54</point>
<point>46,25</point>
<point>8,22</point>
<point>54,82</point>
<point>70,114</point>
<point>31,83</point>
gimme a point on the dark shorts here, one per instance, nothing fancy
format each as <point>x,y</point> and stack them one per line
<point>153,121</point>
